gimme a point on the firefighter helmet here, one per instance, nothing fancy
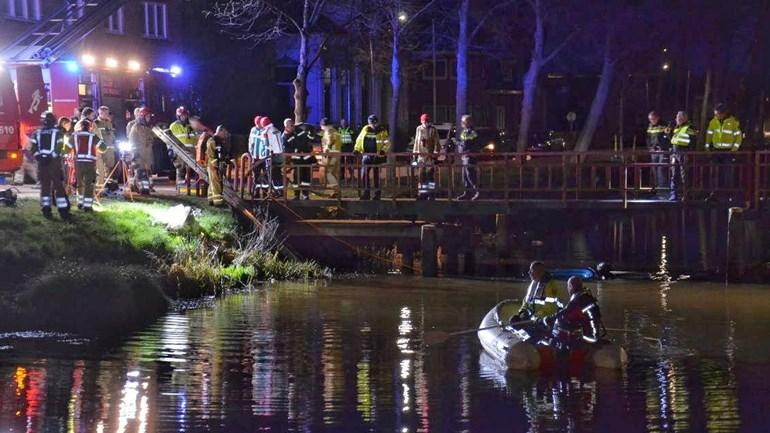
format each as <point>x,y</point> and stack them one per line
<point>144,111</point>
<point>48,120</point>
<point>264,121</point>
<point>372,119</point>
<point>425,118</point>
<point>257,121</point>
<point>181,111</point>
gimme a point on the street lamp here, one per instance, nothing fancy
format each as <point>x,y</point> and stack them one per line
<point>666,66</point>
<point>402,17</point>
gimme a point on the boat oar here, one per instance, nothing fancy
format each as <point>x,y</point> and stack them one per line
<point>432,338</point>
<point>657,340</point>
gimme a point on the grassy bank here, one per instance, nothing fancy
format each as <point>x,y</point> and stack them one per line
<point>117,267</point>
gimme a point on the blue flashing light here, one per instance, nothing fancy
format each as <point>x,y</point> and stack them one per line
<point>72,66</point>
<point>175,70</point>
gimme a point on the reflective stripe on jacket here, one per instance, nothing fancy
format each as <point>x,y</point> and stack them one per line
<point>683,136</point>
<point>86,146</point>
<point>724,135</point>
<point>542,299</point>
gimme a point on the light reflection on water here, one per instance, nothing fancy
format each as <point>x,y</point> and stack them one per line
<point>348,356</point>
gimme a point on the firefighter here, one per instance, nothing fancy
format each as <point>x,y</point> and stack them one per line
<point>542,298</point>
<point>298,139</point>
<point>331,143</point>
<point>204,133</point>
<point>273,143</point>
<point>130,124</point>
<point>89,114</point>
<point>468,145</point>
<point>86,146</point>
<point>657,145</point>
<point>217,155</point>
<point>683,137</point>
<point>426,146</point>
<point>372,143</point>
<point>185,133</point>
<point>141,139</point>
<point>579,322</point>
<point>259,157</point>
<point>47,146</point>
<point>724,135</point>
<point>346,136</point>
<point>105,130</point>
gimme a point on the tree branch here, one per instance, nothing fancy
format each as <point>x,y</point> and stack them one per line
<point>489,13</point>
<point>556,50</point>
<point>417,14</point>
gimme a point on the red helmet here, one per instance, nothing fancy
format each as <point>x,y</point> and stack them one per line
<point>264,121</point>
<point>257,120</point>
<point>425,118</point>
<point>181,111</point>
<point>144,111</point>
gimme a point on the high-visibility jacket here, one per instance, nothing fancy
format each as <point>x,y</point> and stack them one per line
<point>542,299</point>
<point>86,146</point>
<point>47,143</point>
<point>257,144</point>
<point>346,136</point>
<point>656,138</point>
<point>724,135</point>
<point>184,133</point>
<point>579,320</point>
<point>372,140</point>
<point>273,140</point>
<point>683,136</point>
<point>331,141</point>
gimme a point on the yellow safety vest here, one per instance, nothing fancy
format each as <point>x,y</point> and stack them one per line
<point>682,135</point>
<point>542,300</point>
<point>183,133</point>
<point>724,135</point>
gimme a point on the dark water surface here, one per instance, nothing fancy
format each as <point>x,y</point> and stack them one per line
<point>348,357</point>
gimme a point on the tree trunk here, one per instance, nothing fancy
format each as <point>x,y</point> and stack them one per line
<point>597,105</point>
<point>527,104</point>
<point>461,94</point>
<point>300,82</point>
<point>704,109</point>
<point>395,85</point>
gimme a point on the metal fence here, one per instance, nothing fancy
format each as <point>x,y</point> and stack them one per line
<point>566,176</point>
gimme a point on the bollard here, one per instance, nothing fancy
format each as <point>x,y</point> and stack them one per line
<point>429,243</point>
<point>736,241</point>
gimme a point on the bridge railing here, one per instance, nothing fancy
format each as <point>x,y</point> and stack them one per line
<point>741,176</point>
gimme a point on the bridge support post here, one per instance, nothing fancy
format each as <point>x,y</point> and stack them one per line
<point>736,241</point>
<point>407,261</point>
<point>429,250</point>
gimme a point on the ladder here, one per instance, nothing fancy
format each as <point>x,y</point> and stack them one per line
<point>228,194</point>
<point>54,35</point>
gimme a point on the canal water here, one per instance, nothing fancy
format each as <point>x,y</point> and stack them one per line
<point>348,356</point>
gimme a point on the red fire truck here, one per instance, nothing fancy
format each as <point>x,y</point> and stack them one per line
<point>10,143</point>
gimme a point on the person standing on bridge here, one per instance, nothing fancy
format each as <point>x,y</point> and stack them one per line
<point>259,154</point>
<point>723,135</point>
<point>217,155</point>
<point>331,143</point>
<point>274,148</point>
<point>657,145</point>
<point>372,142</point>
<point>683,138</point>
<point>426,146</point>
<point>298,139</point>
<point>47,146</point>
<point>467,146</point>
<point>186,135</point>
<point>348,162</point>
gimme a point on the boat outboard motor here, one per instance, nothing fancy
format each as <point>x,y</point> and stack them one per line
<point>604,270</point>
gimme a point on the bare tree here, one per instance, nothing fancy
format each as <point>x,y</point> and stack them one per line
<point>262,21</point>
<point>542,12</point>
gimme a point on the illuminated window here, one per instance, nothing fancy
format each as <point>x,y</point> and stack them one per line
<point>116,23</point>
<point>23,9</point>
<point>155,20</point>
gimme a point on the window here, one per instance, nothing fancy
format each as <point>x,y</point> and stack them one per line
<point>24,9</point>
<point>500,117</point>
<point>116,23</point>
<point>155,20</point>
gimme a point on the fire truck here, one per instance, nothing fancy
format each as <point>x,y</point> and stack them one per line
<point>10,143</point>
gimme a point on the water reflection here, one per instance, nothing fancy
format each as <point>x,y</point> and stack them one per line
<point>350,358</point>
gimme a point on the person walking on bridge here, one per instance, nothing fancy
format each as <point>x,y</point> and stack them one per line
<point>217,155</point>
<point>426,146</point>
<point>683,138</point>
<point>47,145</point>
<point>467,146</point>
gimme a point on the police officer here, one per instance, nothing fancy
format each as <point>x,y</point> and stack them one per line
<point>47,146</point>
<point>299,139</point>
<point>579,322</point>
<point>683,137</point>
<point>467,145</point>
<point>217,155</point>
<point>372,142</point>
<point>86,146</point>
<point>186,135</point>
<point>426,146</point>
<point>657,145</point>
